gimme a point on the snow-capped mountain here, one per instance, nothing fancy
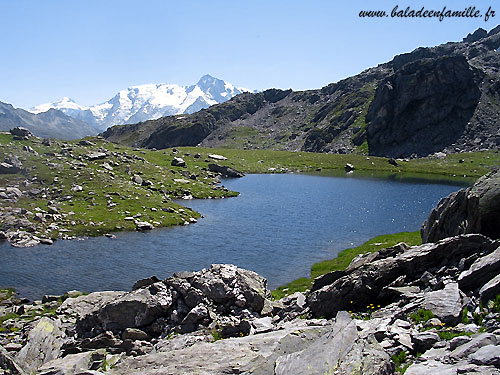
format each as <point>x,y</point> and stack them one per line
<point>146,102</point>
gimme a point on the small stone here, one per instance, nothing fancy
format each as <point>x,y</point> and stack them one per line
<point>178,162</point>
<point>49,298</point>
<point>349,167</point>
<point>96,156</point>
<point>217,157</point>
<point>13,347</point>
<point>135,334</point>
<point>392,161</point>
<point>137,179</point>
<point>143,225</point>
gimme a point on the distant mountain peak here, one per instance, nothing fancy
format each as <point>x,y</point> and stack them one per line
<point>149,101</point>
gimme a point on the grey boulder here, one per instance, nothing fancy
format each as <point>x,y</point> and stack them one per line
<point>43,344</point>
<point>472,210</point>
<point>445,304</point>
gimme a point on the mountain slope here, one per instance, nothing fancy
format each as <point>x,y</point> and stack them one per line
<point>432,99</point>
<point>50,124</point>
<point>150,101</point>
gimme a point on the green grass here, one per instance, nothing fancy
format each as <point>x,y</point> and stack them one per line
<point>450,334</point>
<point>399,359</point>
<point>108,197</point>
<point>465,318</point>
<point>216,335</point>
<point>344,258</point>
<point>421,316</point>
<point>259,161</point>
<point>6,293</point>
<point>7,317</point>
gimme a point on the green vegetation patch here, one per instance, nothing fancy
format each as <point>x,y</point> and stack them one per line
<point>6,293</point>
<point>399,360</point>
<point>421,316</point>
<point>450,334</point>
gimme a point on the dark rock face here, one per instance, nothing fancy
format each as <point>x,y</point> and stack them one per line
<point>480,272</point>
<point>472,210</point>
<point>476,35</point>
<point>423,107</point>
<point>21,132</point>
<point>6,168</point>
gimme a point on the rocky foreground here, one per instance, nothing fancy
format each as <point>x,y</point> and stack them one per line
<point>428,309</point>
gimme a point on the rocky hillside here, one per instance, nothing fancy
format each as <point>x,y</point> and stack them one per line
<point>50,124</point>
<point>444,98</point>
<point>433,308</point>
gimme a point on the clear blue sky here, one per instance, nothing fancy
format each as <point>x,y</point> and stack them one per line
<point>90,49</point>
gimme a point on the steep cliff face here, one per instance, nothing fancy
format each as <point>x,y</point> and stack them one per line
<point>423,107</point>
<point>444,98</point>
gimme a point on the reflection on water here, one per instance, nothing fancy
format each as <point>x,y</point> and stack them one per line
<point>278,226</point>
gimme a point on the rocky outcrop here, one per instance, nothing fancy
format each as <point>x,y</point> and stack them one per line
<point>339,349</point>
<point>21,133</point>
<point>224,296</point>
<point>89,331</point>
<point>43,344</point>
<point>472,210</point>
<point>377,281</point>
<point>423,107</point>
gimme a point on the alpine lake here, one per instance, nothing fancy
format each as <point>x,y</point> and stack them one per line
<point>278,226</point>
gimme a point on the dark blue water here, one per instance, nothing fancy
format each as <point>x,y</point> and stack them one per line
<point>279,226</point>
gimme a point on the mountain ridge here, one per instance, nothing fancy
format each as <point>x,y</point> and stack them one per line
<point>50,124</point>
<point>447,98</point>
<point>148,101</point>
